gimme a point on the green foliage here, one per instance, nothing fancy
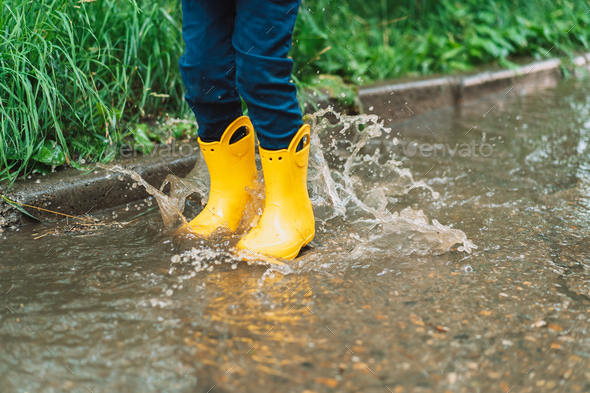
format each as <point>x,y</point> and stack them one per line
<point>371,41</point>
<point>143,142</point>
<point>50,153</point>
<point>75,74</point>
<point>72,71</point>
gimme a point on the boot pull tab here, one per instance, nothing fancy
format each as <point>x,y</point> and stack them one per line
<point>303,136</point>
<point>240,147</point>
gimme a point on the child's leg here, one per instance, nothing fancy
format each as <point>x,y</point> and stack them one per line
<point>208,66</point>
<point>262,39</point>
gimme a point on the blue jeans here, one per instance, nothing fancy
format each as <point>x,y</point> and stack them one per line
<point>239,48</point>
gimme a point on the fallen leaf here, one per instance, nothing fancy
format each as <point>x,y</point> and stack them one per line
<point>327,381</point>
<point>360,366</point>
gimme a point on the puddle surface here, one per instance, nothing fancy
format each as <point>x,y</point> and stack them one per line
<point>375,303</point>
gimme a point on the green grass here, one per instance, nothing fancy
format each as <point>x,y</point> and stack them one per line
<point>388,39</point>
<point>76,78</point>
<point>73,74</point>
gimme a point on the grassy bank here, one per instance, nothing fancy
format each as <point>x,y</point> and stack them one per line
<point>76,77</point>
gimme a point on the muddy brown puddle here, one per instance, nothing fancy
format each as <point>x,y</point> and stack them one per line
<point>367,307</point>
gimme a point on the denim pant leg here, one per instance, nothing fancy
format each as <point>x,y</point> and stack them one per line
<point>262,39</point>
<point>208,66</point>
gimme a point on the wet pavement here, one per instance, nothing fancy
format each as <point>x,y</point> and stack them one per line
<point>129,308</point>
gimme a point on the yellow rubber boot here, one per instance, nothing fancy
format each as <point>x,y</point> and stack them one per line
<point>287,223</point>
<point>232,169</point>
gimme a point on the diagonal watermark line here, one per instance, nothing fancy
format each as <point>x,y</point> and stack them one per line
<point>90,209</point>
<point>10,289</point>
<point>510,389</point>
<point>493,106</point>
<point>429,170</point>
<point>109,190</point>
<point>489,190</point>
<point>269,330</point>
<point>70,370</point>
<point>549,350</point>
<point>569,30</point>
<point>289,290</point>
<point>49,250</point>
<point>309,9</point>
<point>330,330</point>
<point>290,310</point>
<point>509,90</point>
<point>350,350</point>
<point>270,30</point>
<point>370,370</point>
<point>428,128</point>
<point>30,330</point>
<point>309,290</point>
<point>470,170</point>
<point>250,49</point>
<point>309,310</point>
<point>330,30</point>
<point>250,350</point>
<point>409,109</point>
<point>530,370</point>
<point>285,14</point>
<point>530,70</point>
<point>549,50</point>
<point>209,90</point>
<point>9,309</point>
<point>469,130</point>
<point>229,370</point>
<point>232,67</point>
<point>89,389</point>
<point>49,349</point>
<point>387,87</point>
<point>370,70</point>
<point>568,331</point>
<point>349,49</point>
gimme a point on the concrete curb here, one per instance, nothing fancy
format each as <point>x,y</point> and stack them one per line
<point>399,102</point>
<point>75,193</point>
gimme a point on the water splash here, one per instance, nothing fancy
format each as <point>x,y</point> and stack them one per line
<point>354,188</point>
